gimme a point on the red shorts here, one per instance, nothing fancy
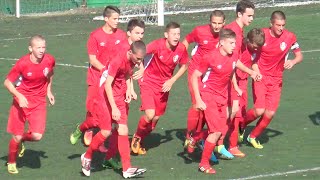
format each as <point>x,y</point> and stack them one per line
<point>243,100</point>
<point>193,99</point>
<point>215,114</point>
<point>152,99</point>
<point>101,113</point>
<point>267,93</point>
<point>35,115</point>
<point>124,109</point>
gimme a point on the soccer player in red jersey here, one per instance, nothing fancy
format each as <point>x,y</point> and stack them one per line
<point>101,45</point>
<point>135,32</point>
<point>207,38</point>
<point>166,53</point>
<point>271,64</point>
<point>249,54</point>
<point>113,107</point>
<point>29,81</point>
<point>212,95</point>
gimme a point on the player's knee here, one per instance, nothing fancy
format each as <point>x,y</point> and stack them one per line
<point>150,116</point>
<point>269,113</point>
<point>213,137</point>
<point>105,133</point>
<point>36,136</point>
<point>259,111</point>
<point>17,138</point>
<point>123,130</point>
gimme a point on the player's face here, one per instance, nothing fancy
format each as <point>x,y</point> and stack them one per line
<point>173,36</point>
<point>136,34</point>
<point>113,20</point>
<point>277,27</point>
<point>137,57</point>
<point>38,48</point>
<point>228,45</point>
<point>217,23</point>
<point>247,16</point>
<point>252,46</point>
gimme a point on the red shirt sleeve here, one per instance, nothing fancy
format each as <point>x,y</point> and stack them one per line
<point>204,64</point>
<point>15,72</point>
<point>114,67</point>
<point>152,47</point>
<point>295,46</point>
<point>92,45</point>
<point>185,57</point>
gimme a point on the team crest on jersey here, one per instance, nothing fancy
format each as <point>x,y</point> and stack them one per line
<point>265,44</point>
<point>102,43</point>
<point>233,65</point>
<point>160,57</point>
<point>283,46</point>
<point>45,72</point>
<point>205,41</point>
<point>219,66</point>
<point>175,58</point>
<point>29,74</point>
<point>253,56</point>
<point>117,42</point>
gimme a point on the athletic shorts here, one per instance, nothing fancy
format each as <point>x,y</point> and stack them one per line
<point>215,114</point>
<point>243,100</point>
<point>267,93</point>
<point>124,109</point>
<point>152,99</point>
<point>35,115</point>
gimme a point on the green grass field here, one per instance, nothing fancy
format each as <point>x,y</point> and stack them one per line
<point>291,142</point>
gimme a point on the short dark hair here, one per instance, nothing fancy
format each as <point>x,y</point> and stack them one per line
<point>226,33</point>
<point>256,36</point>
<point>109,10</point>
<point>217,13</point>
<point>138,46</point>
<point>134,23</point>
<point>36,37</point>
<point>277,15</point>
<point>172,25</point>
<point>242,5</point>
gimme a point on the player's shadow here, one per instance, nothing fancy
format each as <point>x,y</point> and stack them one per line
<point>31,159</point>
<point>315,118</point>
<point>264,137</point>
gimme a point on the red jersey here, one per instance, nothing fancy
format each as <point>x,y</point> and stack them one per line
<point>32,79</point>
<point>163,62</point>
<point>274,52</point>
<point>234,26</point>
<point>206,40</point>
<point>217,70</point>
<point>247,57</point>
<point>102,45</point>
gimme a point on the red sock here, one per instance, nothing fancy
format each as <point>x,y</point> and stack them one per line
<point>124,150</point>
<point>143,127</point>
<point>206,154</point>
<point>97,140</point>
<point>13,150</point>
<point>193,118</point>
<point>27,137</point>
<point>250,117</point>
<point>113,145</point>
<point>234,130</point>
<point>88,123</point>
<point>262,124</point>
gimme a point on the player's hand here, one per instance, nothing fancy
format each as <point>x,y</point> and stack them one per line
<point>259,78</point>
<point>166,87</point>
<point>23,102</point>
<point>254,75</point>
<point>138,74</point>
<point>288,64</point>
<point>134,95</point>
<point>51,98</point>
<point>201,105</point>
<point>116,114</point>
<point>128,97</point>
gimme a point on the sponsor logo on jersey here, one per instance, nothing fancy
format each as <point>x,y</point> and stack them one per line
<point>283,46</point>
<point>205,41</point>
<point>46,72</point>
<point>102,43</point>
<point>29,74</point>
<point>117,41</point>
<point>160,57</point>
<point>219,66</point>
<point>265,44</point>
<point>175,58</point>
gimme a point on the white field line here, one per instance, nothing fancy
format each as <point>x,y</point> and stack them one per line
<point>59,64</point>
<point>279,173</point>
<point>78,66</point>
